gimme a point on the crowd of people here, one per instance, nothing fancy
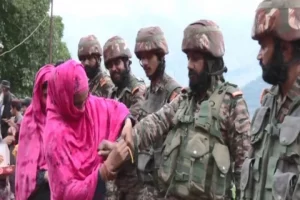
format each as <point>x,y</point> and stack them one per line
<point>90,135</point>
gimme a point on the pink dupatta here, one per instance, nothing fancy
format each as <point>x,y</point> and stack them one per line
<point>30,157</point>
<point>73,135</point>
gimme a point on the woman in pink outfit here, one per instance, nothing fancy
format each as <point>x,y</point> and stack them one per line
<point>31,170</point>
<point>76,124</point>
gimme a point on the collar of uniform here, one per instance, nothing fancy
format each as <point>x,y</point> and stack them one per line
<point>115,89</point>
<point>158,85</point>
<point>293,93</point>
<point>209,92</point>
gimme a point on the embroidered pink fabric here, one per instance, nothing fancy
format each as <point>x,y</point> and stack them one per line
<point>30,157</point>
<point>73,135</point>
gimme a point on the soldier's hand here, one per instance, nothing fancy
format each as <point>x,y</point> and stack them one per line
<point>127,134</point>
<point>105,148</point>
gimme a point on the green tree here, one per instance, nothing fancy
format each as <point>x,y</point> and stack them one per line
<point>18,19</point>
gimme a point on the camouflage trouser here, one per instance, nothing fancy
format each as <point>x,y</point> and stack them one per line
<point>149,193</point>
<point>111,191</point>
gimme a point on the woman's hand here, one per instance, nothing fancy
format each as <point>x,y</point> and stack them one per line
<point>117,156</point>
<point>105,148</point>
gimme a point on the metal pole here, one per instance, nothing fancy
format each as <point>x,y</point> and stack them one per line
<point>51,33</point>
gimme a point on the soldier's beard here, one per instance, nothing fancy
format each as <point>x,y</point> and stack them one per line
<point>91,72</point>
<point>123,79</point>
<point>276,72</point>
<point>200,82</point>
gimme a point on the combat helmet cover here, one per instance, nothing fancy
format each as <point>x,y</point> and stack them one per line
<point>115,47</point>
<point>278,18</point>
<point>204,36</point>
<point>89,45</point>
<point>151,39</point>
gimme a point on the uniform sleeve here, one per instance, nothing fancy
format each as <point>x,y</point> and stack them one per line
<point>237,134</point>
<point>106,85</point>
<point>155,125</point>
<point>174,94</point>
<point>137,99</point>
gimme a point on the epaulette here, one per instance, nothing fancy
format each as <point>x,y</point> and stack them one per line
<point>173,96</point>
<point>134,90</point>
<point>103,81</point>
<point>234,91</point>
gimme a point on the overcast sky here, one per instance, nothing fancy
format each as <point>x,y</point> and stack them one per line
<point>106,18</point>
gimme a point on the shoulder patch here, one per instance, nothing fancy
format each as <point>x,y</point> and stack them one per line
<point>102,82</point>
<point>173,95</point>
<point>237,93</point>
<point>135,90</point>
<point>234,91</point>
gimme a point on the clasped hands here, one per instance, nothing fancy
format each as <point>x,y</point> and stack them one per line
<point>117,152</point>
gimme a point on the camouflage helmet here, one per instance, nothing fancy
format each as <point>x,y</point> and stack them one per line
<point>151,39</point>
<point>279,18</point>
<point>204,36</point>
<point>89,45</point>
<point>115,47</point>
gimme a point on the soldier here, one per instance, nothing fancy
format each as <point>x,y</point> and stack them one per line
<point>272,169</point>
<point>130,91</point>
<point>151,48</point>
<point>206,127</point>
<point>89,53</point>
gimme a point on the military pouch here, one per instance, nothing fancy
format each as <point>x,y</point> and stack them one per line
<point>194,165</point>
<point>257,124</point>
<point>169,157</point>
<point>145,166</point>
<point>220,179</point>
<point>247,179</point>
<point>145,162</point>
<point>289,131</point>
<point>157,157</point>
<point>283,185</point>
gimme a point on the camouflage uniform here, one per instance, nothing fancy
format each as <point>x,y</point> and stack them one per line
<point>272,170</point>
<point>151,39</point>
<point>101,84</point>
<point>132,95</point>
<point>263,93</point>
<point>203,137</point>
<point>1,47</point>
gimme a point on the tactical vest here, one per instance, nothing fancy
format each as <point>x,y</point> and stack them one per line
<point>272,170</point>
<point>196,162</point>
<point>148,160</point>
<point>155,101</point>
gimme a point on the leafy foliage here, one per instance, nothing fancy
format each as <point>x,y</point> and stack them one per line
<point>18,19</point>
